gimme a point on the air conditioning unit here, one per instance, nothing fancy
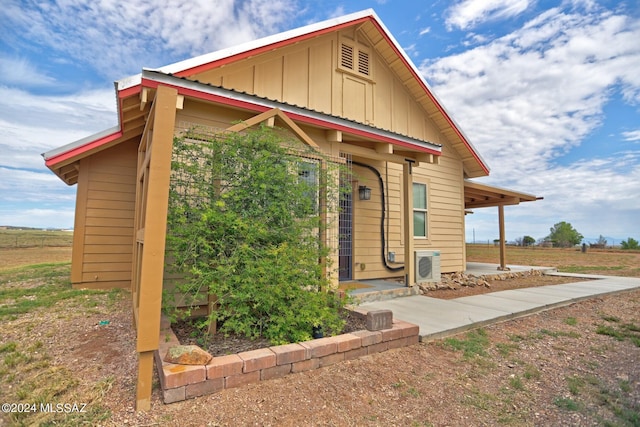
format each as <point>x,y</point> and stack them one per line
<point>427,266</point>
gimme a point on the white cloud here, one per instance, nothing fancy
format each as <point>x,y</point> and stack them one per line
<point>469,13</point>
<point>528,98</point>
<point>424,31</point>
<point>20,72</point>
<point>119,38</point>
<point>32,124</point>
<point>532,95</point>
<point>338,11</point>
<point>633,135</point>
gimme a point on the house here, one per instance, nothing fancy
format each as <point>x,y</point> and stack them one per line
<point>343,85</point>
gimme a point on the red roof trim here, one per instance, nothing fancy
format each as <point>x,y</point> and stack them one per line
<point>82,149</point>
<point>298,117</point>
<point>233,58</point>
<point>433,98</point>
<point>129,91</point>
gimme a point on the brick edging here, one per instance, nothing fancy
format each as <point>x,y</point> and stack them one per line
<point>181,382</point>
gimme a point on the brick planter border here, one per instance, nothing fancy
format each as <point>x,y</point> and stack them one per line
<point>181,382</point>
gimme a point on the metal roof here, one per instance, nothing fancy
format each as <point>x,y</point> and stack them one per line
<point>184,69</point>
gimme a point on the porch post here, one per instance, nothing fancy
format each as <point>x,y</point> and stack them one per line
<point>503,243</point>
<point>407,188</point>
<point>153,235</point>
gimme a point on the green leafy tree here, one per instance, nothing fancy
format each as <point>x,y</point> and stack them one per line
<point>528,241</point>
<point>630,243</point>
<point>563,235</point>
<point>243,226</point>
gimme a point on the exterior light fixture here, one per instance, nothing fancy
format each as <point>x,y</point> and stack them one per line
<point>364,192</point>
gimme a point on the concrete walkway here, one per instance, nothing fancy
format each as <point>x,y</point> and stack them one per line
<point>439,318</point>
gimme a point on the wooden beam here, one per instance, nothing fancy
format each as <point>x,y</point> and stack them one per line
<point>372,154</point>
<point>155,224</point>
<point>333,135</point>
<point>144,95</point>
<point>257,119</point>
<point>384,148</point>
<point>426,158</point>
<point>275,112</point>
<point>509,201</point>
<point>271,121</point>
<point>407,212</point>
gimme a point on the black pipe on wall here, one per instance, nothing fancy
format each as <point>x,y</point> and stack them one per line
<point>385,262</point>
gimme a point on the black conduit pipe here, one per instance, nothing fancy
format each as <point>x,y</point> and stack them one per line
<point>382,239</point>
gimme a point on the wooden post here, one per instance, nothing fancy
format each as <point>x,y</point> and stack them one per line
<point>407,211</point>
<point>329,194</point>
<point>503,242</point>
<point>155,225</point>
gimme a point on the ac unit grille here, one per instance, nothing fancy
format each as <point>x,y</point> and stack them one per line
<point>427,266</point>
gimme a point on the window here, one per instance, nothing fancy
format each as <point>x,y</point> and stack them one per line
<point>420,226</point>
<point>308,176</point>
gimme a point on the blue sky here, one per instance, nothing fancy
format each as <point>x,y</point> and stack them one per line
<point>547,91</point>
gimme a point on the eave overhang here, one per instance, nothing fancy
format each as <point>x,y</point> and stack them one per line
<point>482,196</point>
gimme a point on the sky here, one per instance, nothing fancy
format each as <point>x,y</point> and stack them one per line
<point>547,91</point>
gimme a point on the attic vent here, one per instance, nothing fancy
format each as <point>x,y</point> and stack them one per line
<point>363,63</point>
<point>355,58</point>
<point>346,57</point>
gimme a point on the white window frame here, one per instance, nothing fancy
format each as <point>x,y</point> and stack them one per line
<point>422,210</point>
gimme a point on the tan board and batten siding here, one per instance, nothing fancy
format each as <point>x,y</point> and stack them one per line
<point>103,235</point>
<point>309,75</point>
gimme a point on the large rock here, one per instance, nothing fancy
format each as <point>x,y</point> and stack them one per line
<point>187,355</point>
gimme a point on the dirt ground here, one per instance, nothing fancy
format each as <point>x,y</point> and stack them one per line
<point>575,365</point>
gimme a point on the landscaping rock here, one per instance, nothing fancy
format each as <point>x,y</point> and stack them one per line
<point>455,281</point>
<point>187,355</point>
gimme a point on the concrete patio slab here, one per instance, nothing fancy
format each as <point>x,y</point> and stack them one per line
<point>439,318</point>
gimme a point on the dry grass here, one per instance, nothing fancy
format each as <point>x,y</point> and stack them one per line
<point>34,238</point>
<point>25,247</point>
<point>608,262</point>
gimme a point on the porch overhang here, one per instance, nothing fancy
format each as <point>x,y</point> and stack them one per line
<point>483,196</point>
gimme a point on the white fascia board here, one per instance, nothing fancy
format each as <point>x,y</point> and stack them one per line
<point>79,143</point>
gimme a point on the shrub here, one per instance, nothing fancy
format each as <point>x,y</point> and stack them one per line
<point>243,227</point>
<point>630,243</point>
